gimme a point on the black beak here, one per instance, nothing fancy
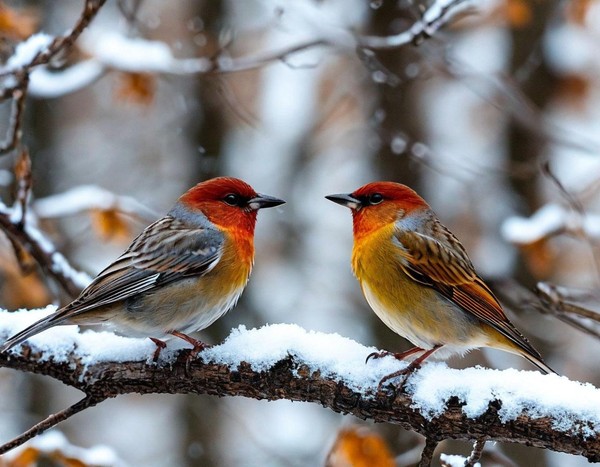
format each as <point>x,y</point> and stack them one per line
<point>264,201</point>
<point>345,200</point>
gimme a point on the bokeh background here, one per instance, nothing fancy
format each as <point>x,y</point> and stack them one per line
<point>494,118</point>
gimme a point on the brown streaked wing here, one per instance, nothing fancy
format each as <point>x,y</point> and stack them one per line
<point>165,251</point>
<point>432,258</point>
<point>450,272</point>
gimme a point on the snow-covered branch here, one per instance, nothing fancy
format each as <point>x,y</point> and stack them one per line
<point>27,236</point>
<point>286,362</point>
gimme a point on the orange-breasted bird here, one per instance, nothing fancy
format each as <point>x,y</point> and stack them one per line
<point>418,279</point>
<point>179,275</point>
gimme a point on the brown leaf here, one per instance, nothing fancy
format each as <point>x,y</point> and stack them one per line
<point>17,25</point>
<point>110,225</point>
<point>518,13</point>
<point>26,458</point>
<point>356,447</point>
<point>138,88</point>
<point>577,10</point>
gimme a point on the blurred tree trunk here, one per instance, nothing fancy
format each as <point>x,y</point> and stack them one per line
<point>526,147</point>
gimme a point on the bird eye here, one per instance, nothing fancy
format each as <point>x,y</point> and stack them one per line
<point>375,198</point>
<point>232,199</point>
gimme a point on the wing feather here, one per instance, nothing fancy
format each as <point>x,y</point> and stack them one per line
<point>445,266</point>
<point>165,251</point>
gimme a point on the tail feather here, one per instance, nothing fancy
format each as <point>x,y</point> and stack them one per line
<point>35,328</point>
<point>539,363</point>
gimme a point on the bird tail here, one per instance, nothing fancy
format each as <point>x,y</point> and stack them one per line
<point>539,363</point>
<point>37,327</point>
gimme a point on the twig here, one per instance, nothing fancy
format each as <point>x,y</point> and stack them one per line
<point>49,422</point>
<point>433,19</point>
<point>52,262</point>
<point>475,453</point>
<point>427,454</point>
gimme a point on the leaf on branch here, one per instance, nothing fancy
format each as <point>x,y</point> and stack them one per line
<point>358,447</point>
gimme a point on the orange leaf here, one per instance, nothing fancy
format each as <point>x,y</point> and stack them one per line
<point>26,458</point>
<point>355,447</point>
<point>16,25</point>
<point>518,13</point>
<point>138,88</point>
<point>110,225</point>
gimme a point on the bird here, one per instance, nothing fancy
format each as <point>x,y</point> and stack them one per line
<point>418,279</point>
<point>182,273</point>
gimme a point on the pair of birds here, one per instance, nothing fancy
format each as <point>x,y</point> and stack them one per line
<point>187,269</point>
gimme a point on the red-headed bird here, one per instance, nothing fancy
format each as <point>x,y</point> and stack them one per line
<point>180,274</point>
<point>418,279</point>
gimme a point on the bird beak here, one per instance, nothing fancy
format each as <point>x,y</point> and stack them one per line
<point>345,200</point>
<point>264,201</point>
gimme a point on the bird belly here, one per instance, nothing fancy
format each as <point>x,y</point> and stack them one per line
<point>425,318</point>
<point>187,305</point>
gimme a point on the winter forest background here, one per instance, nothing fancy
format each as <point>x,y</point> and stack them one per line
<point>494,120</point>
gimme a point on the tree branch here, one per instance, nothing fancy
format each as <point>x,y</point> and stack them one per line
<point>296,378</point>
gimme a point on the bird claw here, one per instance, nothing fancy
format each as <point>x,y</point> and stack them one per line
<point>376,355</point>
<point>160,345</point>
<point>406,372</point>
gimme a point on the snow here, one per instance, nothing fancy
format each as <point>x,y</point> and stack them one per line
<point>85,197</point>
<point>26,51</point>
<point>134,54</point>
<point>450,460</point>
<point>549,220</point>
<point>51,84</point>
<point>569,404</point>
<point>54,441</point>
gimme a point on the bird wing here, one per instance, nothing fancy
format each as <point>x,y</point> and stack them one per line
<point>445,266</point>
<point>165,251</point>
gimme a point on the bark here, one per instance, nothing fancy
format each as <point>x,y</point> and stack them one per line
<point>290,379</point>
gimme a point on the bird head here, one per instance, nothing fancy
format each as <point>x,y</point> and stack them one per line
<point>379,204</point>
<point>229,203</point>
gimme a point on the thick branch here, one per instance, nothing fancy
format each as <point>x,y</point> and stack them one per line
<point>292,378</point>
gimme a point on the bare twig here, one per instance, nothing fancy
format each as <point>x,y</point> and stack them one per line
<point>433,19</point>
<point>52,262</point>
<point>427,454</point>
<point>49,422</point>
<point>475,453</point>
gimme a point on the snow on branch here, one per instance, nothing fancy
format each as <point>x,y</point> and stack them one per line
<point>284,361</point>
<point>26,235</point>
<point>39,49</point>
<point>86,197</point>
<point>111,50</point>
<point>548,221</point>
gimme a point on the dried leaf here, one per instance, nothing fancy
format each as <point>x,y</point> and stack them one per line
<point>138,88</point>
<point>540,258</point>
<point>577,10</point>
<point>574,90</point>
<point>518,13</point>
<point>17,25</point>
<point>110,225</point>
<point>355,447</point>
<point>26,458</point>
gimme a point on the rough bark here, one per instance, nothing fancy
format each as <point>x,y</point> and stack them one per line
<point>290,379</point>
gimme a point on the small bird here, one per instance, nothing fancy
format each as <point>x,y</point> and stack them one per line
<point>418,279</point>
<point>179,275</point>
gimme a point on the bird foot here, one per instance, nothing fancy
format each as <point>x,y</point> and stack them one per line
<point>198,346</point>
<point>405,372</point>
<point>376,355</point>
<point>160,345</point>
